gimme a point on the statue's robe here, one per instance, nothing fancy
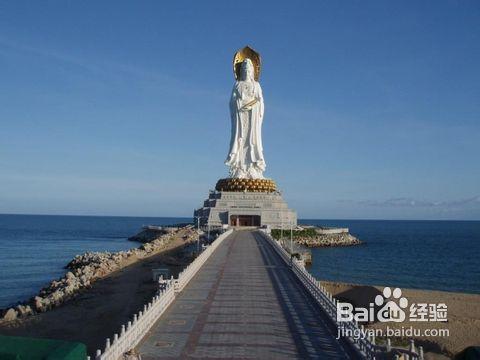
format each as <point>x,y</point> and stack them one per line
<point>245,157</point>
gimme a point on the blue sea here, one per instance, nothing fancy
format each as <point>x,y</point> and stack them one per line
<point>435,255</point>
<point>439,255</point>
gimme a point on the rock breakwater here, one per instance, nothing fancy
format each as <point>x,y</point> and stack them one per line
<point>312,236</point>
<point>151,233</point>
<point>87,268</point>
<point>327,240</point>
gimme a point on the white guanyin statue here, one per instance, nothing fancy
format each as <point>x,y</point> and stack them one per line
<point>245,157</point>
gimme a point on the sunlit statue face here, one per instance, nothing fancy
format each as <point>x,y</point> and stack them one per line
<point>247,70</point>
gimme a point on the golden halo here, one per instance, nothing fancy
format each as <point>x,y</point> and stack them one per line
<point>247,53</point>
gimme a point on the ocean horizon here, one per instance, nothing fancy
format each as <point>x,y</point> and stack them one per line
<point>419,254</point>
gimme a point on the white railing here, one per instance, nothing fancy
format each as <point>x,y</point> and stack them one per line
<point>131,334</point>
<point>186,275</point>
<point>366,347</point>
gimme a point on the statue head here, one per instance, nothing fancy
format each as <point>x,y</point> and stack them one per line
<point>247,71</point>
<point>239,61</point>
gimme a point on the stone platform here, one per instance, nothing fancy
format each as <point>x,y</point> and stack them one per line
<point>246,209</point>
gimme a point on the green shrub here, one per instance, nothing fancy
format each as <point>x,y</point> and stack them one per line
<point>310,232</point>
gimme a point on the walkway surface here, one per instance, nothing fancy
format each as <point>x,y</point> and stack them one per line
<point>244,303</point>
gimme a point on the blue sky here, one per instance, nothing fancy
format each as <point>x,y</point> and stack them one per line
<point>121,108</point>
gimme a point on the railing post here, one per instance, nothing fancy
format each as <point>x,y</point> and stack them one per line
<point>420,352</point>
<point>389,345</point>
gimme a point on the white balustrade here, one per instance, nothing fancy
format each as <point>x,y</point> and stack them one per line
<point>131,334</point>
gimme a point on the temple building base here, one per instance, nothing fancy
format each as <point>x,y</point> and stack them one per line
<point>235,208</point>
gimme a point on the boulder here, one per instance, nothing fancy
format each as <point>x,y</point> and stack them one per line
<point>69,290</point>
<point>10,314</point>
<point>23,310</point>
<point>38,303</point>
<point>57,296</point>
<point>28,310</point>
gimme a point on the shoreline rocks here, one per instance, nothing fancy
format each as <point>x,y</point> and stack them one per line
<point>151,233</point>
<point>329,240</point>
<point>85,269</point>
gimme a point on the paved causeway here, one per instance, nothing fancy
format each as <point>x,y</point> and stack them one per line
<point>244,303</point>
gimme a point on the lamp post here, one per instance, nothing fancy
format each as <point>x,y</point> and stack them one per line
<point>291,238</point>
<point>281,233</point>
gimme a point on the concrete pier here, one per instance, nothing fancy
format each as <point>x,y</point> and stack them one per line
<point>244,303</point>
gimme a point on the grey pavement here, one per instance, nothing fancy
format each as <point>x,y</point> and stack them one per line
<point>244,303</point>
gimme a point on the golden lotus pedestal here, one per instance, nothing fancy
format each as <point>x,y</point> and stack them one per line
<point>246,185</point>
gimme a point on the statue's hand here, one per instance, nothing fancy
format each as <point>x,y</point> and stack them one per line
<point>248,105</point>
